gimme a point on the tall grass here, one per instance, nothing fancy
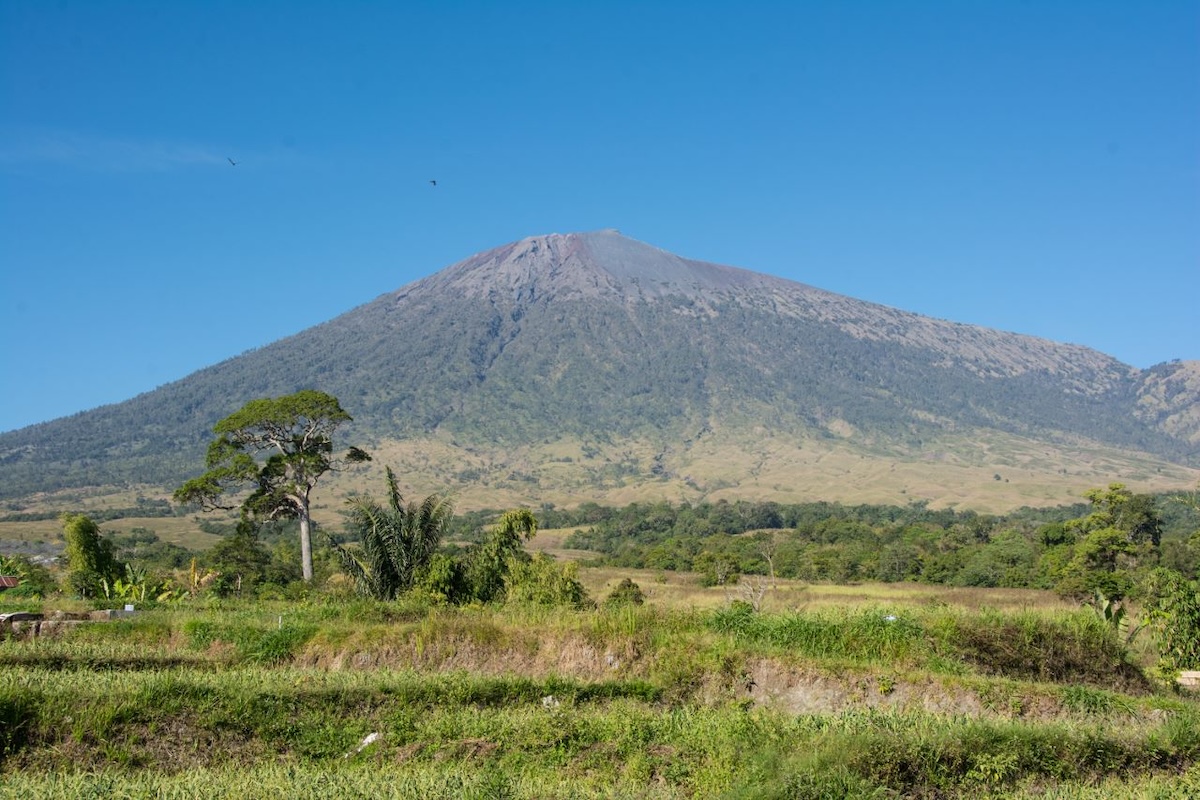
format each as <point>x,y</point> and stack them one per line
<point>1070,648</point>
<point>865,636</point>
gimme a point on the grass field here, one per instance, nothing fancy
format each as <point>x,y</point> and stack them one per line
<point>869,693</point>
<point>830,691</point>
<point>182,531</point>
<point>681,590</point>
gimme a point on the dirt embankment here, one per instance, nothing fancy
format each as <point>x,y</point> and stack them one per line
<point>756,681</point>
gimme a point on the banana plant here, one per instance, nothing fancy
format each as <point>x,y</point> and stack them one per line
<point>135,587</point>
<point>1116,617</point>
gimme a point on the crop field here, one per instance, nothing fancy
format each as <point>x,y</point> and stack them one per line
<point>864,691</point>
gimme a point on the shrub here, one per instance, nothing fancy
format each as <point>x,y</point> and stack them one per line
<point>444,579</point>
<point>543,581</point>
<point>625,593</point>
<point>1174,613</point>
<point>1073,648</point>
<point>35,580</point>
<point>89,556</point>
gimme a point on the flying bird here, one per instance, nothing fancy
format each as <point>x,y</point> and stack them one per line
<point>434,183</point>
<point>231,161</point>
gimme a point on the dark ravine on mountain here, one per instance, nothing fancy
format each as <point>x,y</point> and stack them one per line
<point>601,345</point>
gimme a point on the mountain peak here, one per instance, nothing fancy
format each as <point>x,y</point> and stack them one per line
<point>580,265</point>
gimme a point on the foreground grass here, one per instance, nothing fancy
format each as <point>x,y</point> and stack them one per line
<point>458,736</point>
<point>470,782</point>
<point>262,700</point>
<point>668,647</point>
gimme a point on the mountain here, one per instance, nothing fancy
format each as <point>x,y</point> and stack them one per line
<point>590,365</point>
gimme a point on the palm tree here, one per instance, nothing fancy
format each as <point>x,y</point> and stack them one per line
<point>397,540</point>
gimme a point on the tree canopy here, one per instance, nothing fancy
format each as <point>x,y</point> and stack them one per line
<point>294,436</point>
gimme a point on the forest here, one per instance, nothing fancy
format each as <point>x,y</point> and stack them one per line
<point>1033,548</point>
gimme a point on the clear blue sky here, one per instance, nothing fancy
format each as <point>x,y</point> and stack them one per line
<point>1029,166</point>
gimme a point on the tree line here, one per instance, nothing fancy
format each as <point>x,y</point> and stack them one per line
<point>1106,544</point>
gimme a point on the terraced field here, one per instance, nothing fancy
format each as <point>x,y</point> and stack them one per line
<point>879,697</point>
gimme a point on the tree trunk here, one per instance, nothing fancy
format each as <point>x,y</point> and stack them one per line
<point>305,540</point>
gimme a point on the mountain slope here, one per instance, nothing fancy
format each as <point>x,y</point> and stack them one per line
<point>614,346</point>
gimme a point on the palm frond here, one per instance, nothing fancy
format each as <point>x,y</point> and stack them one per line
<point>397,540</point>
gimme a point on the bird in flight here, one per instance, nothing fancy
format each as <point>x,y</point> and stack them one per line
<point>231,161</point>
<point>433,183</point>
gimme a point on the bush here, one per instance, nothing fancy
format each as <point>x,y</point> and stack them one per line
<point>90,556</point>
<point>737,618</point>
<point>444,579</point>
<point>543,581</point>
<point>1173,612</point>
<point>36,580</point>
<point>626,593</point>
<point>1073,648</point>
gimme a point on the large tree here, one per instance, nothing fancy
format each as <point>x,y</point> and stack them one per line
<point>294,437</point>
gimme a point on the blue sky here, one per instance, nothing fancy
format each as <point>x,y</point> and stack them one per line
<point>1033,167</point>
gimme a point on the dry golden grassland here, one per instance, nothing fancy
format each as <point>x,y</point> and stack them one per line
<point>182,531</point>
<point>990,473</point>
<point>684,590</point>
<point>759,464</point>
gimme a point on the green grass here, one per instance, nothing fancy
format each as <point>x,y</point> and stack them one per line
<point>250,725</point>
<point>275,699</point>
<point>470,781</point>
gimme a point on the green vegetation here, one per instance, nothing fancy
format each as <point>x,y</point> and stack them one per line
<point>90,561</point>
<point>1110,545</point>
<point>33,580</point>
<point>397,541</point>
<point>1173,611</point>
<point>490,563</point>
<point>625,593</point>
<point>408,699</point>
<point>445,660</point>
<point>146,507</point>
<point>296,432</point>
